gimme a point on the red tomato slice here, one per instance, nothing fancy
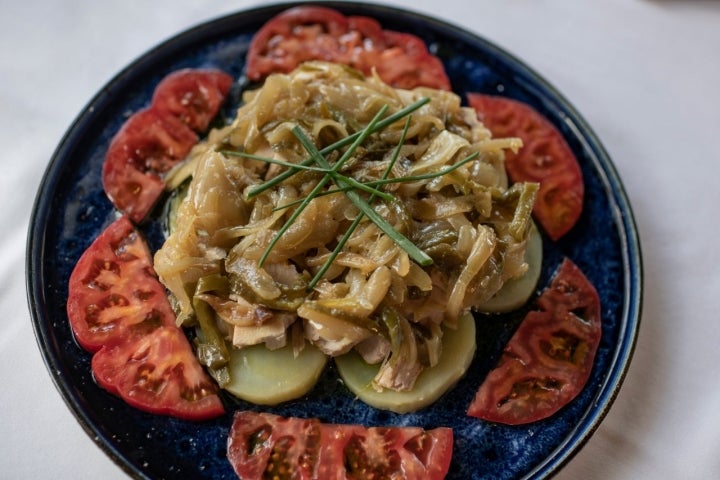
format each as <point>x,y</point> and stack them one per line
<point>411,453</point>
<point>263,445</point>
<point>572,293</point>
<point>113,291</point>
<point>148,145</point>
<point>119,311</point>
<point>154,140</point>
<point>545,158</point>
<point>406,60</point>
<point>548,360</point>
<point>192,95</point>
<point>318,33</point>
<point>294,36</point>
<point>158,373</point>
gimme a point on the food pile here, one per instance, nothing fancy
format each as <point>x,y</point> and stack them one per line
<point>352,211</point>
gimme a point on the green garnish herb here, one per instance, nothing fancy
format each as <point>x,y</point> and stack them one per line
<point>382,124</point>
<point>358,219</point>
<point>415,253</point>
<point>330,174</point>
<point>347,185</point>
<point>388,181</point>
<point>354,183</point>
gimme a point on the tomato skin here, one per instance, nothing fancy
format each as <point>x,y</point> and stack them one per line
<point>408,63</point>
<point>158,373</point>
<point>548,360</point>
<point>153,140</point>
<point>545,158</point>
<point>571,293</point>
<point>118,310</point>
<point>194,96</point>
<point>147,145</point>
<point>262,443</point>
<point>264,57</point>
<point>318,33</point>
<point>357,452</point>
<point>113,292</point>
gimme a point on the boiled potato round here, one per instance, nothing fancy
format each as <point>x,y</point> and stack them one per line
<point>457,354</point>
<point>270,377</point>
<point>516,292</point>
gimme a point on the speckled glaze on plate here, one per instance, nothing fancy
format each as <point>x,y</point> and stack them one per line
<point>71,209</point>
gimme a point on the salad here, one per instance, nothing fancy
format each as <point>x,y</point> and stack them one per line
<point>221,285</point>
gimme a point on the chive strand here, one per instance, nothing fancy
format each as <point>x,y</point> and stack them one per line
<point>340,144</point>
<point>424,176</point>
<point>381,125</point>
<point>330,173</point>
<point>389,181</point>
<point>293,217</point>
<point>351,229</point>
<point>318,157</point>
<point>346,184</point>
<point>359,185</point>
<point>298,166</point>
<point>365,187</point>
<point>401,240</point>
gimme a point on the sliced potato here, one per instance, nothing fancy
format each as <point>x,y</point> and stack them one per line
<point>269,377</point>
<point>457,353</point>
<point>516,292</point>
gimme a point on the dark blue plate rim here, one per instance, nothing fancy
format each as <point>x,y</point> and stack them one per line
<point>36,265</point>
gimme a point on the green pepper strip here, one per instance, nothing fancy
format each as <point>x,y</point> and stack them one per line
<point>205,316</point>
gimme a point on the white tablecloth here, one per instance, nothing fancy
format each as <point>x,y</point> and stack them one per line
<point>645,74</point>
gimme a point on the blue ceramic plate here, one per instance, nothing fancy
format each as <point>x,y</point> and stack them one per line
<point>71,210</point>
